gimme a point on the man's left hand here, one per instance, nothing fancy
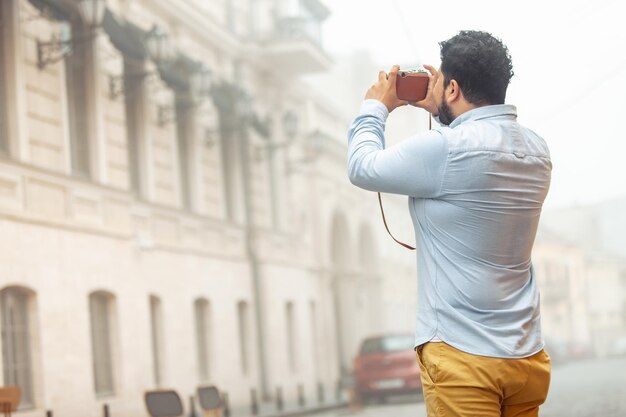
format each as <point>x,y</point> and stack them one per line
<point>385,89</point>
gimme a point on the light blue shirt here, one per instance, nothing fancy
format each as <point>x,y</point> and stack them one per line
<point>475,190</point>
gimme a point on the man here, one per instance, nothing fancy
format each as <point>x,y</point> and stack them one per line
<point>476,186</point>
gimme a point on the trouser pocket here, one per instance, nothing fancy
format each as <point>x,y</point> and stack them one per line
<point>428,362</point>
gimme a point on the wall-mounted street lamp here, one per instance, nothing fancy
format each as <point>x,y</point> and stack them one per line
<point>200,84</point>
<point>159,50</point>
<point>200,81</point>
<point>235,105</point>
<point>290,125</point>
<point>159,47</point>
<point>314,142</point>
<point>54,50</point>
<point>210,136</point>
<point>165,115</point>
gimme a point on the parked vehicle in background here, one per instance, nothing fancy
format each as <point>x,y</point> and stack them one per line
<point>386,365</point>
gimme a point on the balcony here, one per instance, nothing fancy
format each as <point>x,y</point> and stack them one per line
<point>294,47</point>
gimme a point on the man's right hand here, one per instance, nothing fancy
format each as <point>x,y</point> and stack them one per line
<point>429,103</point>
<point>385,89</point>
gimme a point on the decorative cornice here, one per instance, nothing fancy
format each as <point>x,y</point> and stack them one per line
<point>199,23</point>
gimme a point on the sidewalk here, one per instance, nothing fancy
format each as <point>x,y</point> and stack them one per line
<point>268,409</point>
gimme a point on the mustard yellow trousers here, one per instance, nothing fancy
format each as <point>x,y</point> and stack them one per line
<point>458,384</point>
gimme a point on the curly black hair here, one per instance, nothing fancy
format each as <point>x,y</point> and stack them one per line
<point>480,63</point>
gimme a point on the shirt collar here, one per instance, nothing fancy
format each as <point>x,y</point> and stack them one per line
<point>485,112</point>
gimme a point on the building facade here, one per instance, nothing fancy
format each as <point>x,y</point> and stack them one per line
<point>580,261</point>
<point>174,208</point>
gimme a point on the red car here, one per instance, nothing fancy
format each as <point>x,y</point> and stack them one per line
<point>386,365</point>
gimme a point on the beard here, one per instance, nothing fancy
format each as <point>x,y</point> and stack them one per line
<point>445,114</point>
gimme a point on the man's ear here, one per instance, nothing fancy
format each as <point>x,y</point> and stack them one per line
<point>454,91</point>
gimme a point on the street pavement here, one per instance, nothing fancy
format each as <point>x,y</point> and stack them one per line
<point>588,388</point>
<point>585,388</point>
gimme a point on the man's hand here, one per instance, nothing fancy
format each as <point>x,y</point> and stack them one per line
<point>429,103</point>
<point>385,90</point>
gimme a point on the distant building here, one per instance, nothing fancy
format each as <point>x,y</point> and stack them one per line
<point>580,260</point>
<point>175,210</point>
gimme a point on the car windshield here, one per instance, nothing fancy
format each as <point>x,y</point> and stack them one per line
<point>387,344</point>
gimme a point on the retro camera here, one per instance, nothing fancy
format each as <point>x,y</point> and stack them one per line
<point>412,85</point>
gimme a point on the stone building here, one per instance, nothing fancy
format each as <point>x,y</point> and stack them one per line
<point>174,207</point>
<point>580,259</point>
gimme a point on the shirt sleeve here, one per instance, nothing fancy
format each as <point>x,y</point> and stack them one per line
<point>414,167</point>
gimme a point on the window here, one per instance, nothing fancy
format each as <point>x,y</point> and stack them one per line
<point>291,337</point>
<point>314,341</point>
<point>16,342</point>
<point>76,67</point>
<point>232,183</point>
<point>4,143</point>
<point>100,308</point>
<point>230,14</point>
<point>275,202</point>
<point>201,311</point>
<point>156,327</point>
<point>230,144</point>
<point>184,125</point>
<point>244,335</point>
<point>134,104</point>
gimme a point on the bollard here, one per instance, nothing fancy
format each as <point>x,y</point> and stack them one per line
<point>105,410</point>
<point>225,404</point>
<point>49,413</point>
<point>192,407</point>
<point>301,400</point>
<point>279,399</point>
<point>320,392</point>
<point>254,406</point>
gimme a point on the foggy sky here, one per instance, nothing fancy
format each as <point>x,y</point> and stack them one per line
<point>569,59</point>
